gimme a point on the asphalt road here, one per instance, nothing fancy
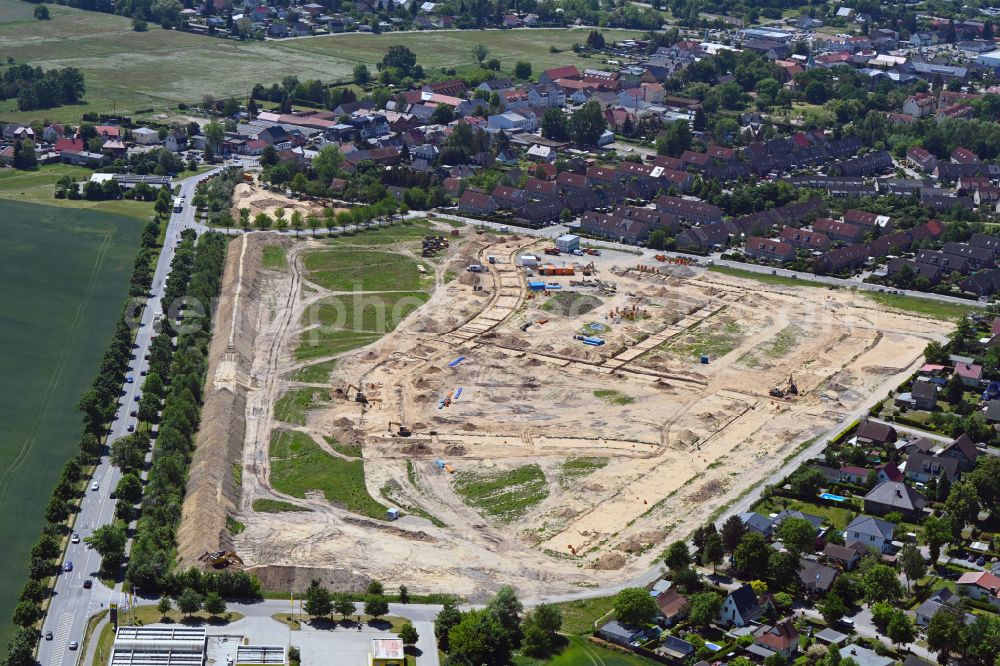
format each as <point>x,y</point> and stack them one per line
<point>71,603</point>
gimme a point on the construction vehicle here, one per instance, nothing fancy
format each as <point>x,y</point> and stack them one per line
<point>359,395</point>
<point>221,558</point>
<point>403,430</point>
<point>552,250</point>
<point>785,392</point>
<point>589,269</point>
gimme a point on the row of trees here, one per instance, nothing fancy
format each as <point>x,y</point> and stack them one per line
<point>35,88</point>
<point>196,273</point>
<point>489,636</point>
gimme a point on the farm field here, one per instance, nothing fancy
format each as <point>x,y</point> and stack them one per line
<point>153,71</point>
<point>65,275</point>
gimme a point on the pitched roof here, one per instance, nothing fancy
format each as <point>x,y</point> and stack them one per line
<point>981,579</point>
<point>897,495</point>
<point>745,600</point>
<point>874,526</point>
<point>927,464</point>
<point>670,602</point>
<point>815,575</point>
<point>964,444</point>
<point>875,431</point>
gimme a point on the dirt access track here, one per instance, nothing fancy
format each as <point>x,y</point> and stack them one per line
<point>573,464</point>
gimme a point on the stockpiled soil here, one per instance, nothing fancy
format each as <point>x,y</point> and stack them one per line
<point>64,276</point>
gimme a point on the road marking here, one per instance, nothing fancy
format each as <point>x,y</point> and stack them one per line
<point>61,638</point>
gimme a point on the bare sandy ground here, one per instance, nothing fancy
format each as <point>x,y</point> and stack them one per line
<point>258,200</point>
<point>683,439</point>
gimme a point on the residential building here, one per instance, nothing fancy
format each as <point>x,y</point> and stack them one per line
<point>755,522</point>
<point>873,432</point>
<point>741,607</point>
<point>782,638</point>
<point>964,450</point>
<point>843,557</point>
<point>895,496</point>
<point>971,374</point>
<point>942,600</point>
<point>922,159</point>
<point>981,586</point>
<point>620,634</point>
<point>765,249</point>
<point>872,533</point>
<point>672,605</point>
<point>816,578</point>
<point>924,395</point>
<point>923,467</point>
<point>476,203</point>
<point>862,656</point>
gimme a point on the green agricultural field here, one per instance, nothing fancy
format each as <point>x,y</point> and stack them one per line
<point>65,275</point>
<point>300,466</point>
<point>503,495</point>
<point>153,71</point>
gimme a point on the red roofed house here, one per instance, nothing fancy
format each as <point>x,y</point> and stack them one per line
<point>854,474</point>
<point>781,638</point>
<point>769,250</point>
<point>920,105</point>
<point>550,76</point>
<point>476,203</point>
<point>842,231</point>
<point>70,146</point>
<point>965,156</point>
<point>981,586</point>
<point>805,239</point>
<point>971,374</point>
<point>888,472</point>
<point>108,131</point>
<point>923,159</point>
<point>672,605</point>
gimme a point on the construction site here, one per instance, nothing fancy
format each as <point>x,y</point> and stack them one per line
<point>543,420</point>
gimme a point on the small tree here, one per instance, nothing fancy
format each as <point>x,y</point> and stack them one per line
<point>912,563</point>
<point>879,583</point>
<point>901,629</point>
<point>214,604</point>
<point>704,608</point>
<point>189,602</point>
<point>479,52</point>
<point>376,605</point>
<point>678,556</point>
<point>633,605</point>
<point>343,605</point>
<point>408,634</point>
<point>164,605</point>
<point>318,602</point>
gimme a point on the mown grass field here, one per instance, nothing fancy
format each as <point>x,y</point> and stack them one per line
<point>65,276</point>
<point>365,312</point>
<point>350,269</point>
<point>300,466</point>
<point>131,71</point>
<point>318,373</point>
<point>503,495</point>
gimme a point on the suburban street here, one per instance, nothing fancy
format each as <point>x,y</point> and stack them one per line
<point>71,604</point>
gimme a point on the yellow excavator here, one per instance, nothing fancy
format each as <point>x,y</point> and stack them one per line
<point>403,430</point>
<point>221,558</point>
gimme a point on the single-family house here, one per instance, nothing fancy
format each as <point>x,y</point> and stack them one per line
<point>755,522</point>
<point>476,203</point>
<point>862,656</point>
<point>895,496</point>
<point>971,374</point>
<point>924,395</point>
<point>964,450</point>
<point>781,638</point>
<point>873,432</point>
<point>942,600</point>
<point>922,467</point>
<point>843,557</point>
<point>673,607</point>
<point>620,634</point>
<point>873,533</point>
<point>741,607</point>
<point>816,578</point>
<point>981,586</point>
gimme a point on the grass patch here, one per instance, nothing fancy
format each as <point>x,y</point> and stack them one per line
<point>319,344</point>
<point>349,269</point>
<point>767,277</point>
<point>579,616</point>
<point>411,474</point>
<point>714,338</point>
<point>576,468</point>
<point>295,403</point>
<point>374,313</point>
<point>386,492</point>
<point>783,342</point>
<point>397,232</point>
<point>275,506</point>
<point>921,306</point>
<point>613,397</point>
<point>274,257</point>
<point>300,467</point>
<point>570,303</point>
<point>39,187</point>
<point>318,373</point>
<point>839,518</point>
<point>143,615</point>
<point>581,651</point>
<point>349,450</point>
<point>234,526</point>
<point>503,495</point>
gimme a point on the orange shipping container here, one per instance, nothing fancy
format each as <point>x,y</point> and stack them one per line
<point>449,469</point>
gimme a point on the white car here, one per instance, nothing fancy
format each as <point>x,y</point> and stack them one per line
<point>75,538</point>
<point>95,486</point>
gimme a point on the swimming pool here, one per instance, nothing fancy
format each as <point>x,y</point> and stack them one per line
<point>832,498</point>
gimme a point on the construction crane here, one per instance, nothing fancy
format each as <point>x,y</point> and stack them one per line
<point>403,430</point>
<point>359,396</point>
<point>221,558</point>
